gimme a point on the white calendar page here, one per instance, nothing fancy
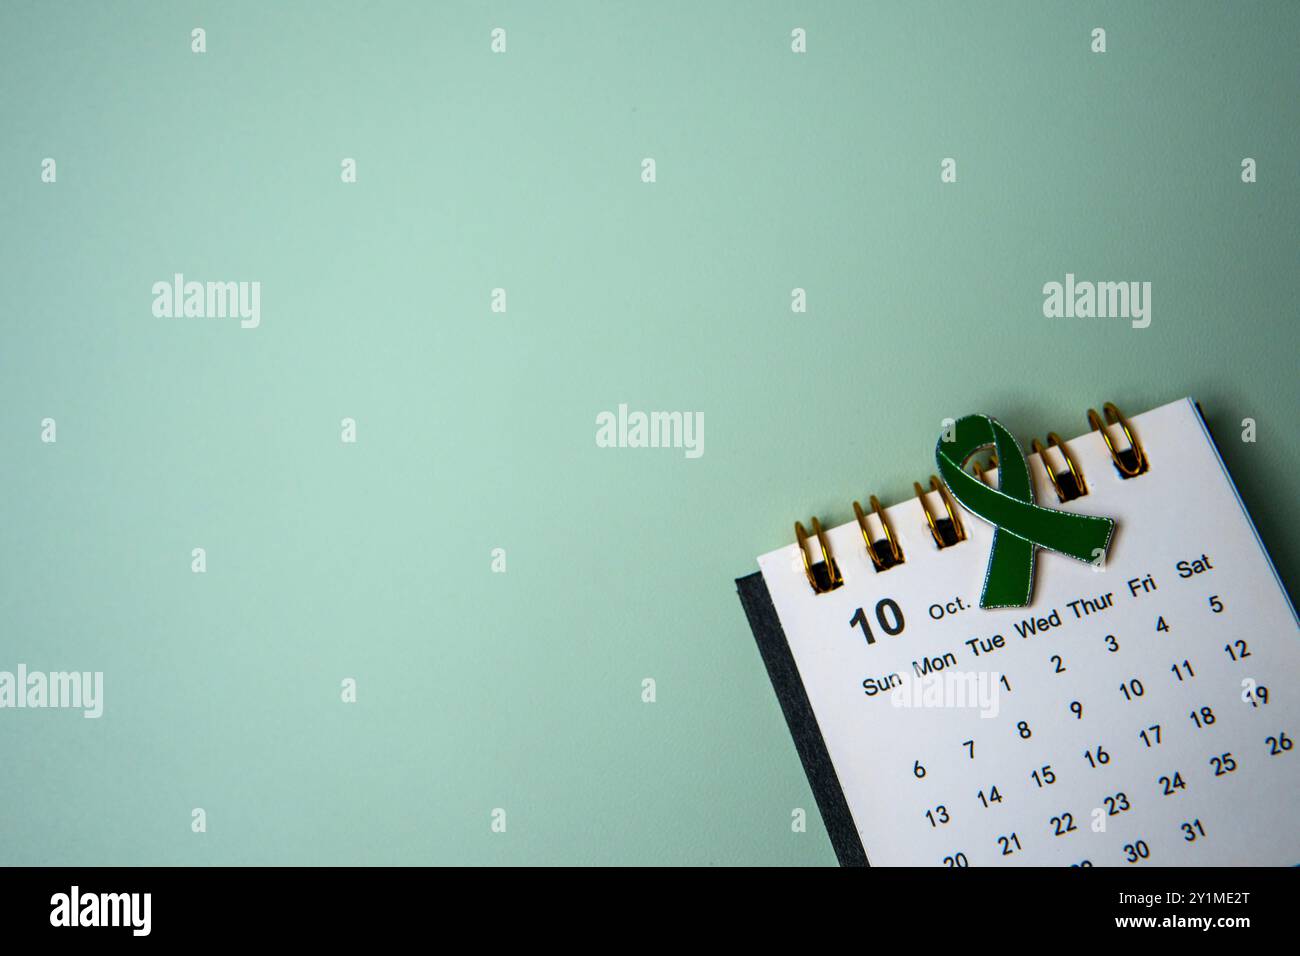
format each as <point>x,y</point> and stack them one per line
<point>1197,638</point>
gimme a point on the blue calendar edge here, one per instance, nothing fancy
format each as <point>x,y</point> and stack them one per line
<point>1218,456</point>
<point>797,708</point>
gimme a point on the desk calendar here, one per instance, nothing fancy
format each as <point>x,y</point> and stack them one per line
<point>1143,712</point>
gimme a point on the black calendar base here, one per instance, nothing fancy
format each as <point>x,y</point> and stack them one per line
<point>799,716</point>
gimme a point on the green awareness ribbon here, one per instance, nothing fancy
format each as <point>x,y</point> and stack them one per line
<point>1019,525</point>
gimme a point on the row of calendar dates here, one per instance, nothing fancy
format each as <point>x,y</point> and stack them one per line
<point>1174,782</point>
<point>1198,721</point>
<point>1262,742</point>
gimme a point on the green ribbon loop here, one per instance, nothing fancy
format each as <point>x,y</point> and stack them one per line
<point>1019,525</point>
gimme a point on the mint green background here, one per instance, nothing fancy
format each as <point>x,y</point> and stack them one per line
<point>522,691</point>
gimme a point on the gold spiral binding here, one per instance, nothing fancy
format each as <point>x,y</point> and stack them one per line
<point>978,471</point>
<point>1130,461</point>
<point>1068,484</point>
<point>883,560</point>
<point>885,553</point>
<point>946,531</point>
<point>825,575</point>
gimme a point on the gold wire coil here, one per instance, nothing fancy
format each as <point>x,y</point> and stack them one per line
<point>1132,461</point>
<point>895,555</point>
<point>830,578</point>
<point>978,471</point>
<point>1063,493</point>
<point>954,523</point>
